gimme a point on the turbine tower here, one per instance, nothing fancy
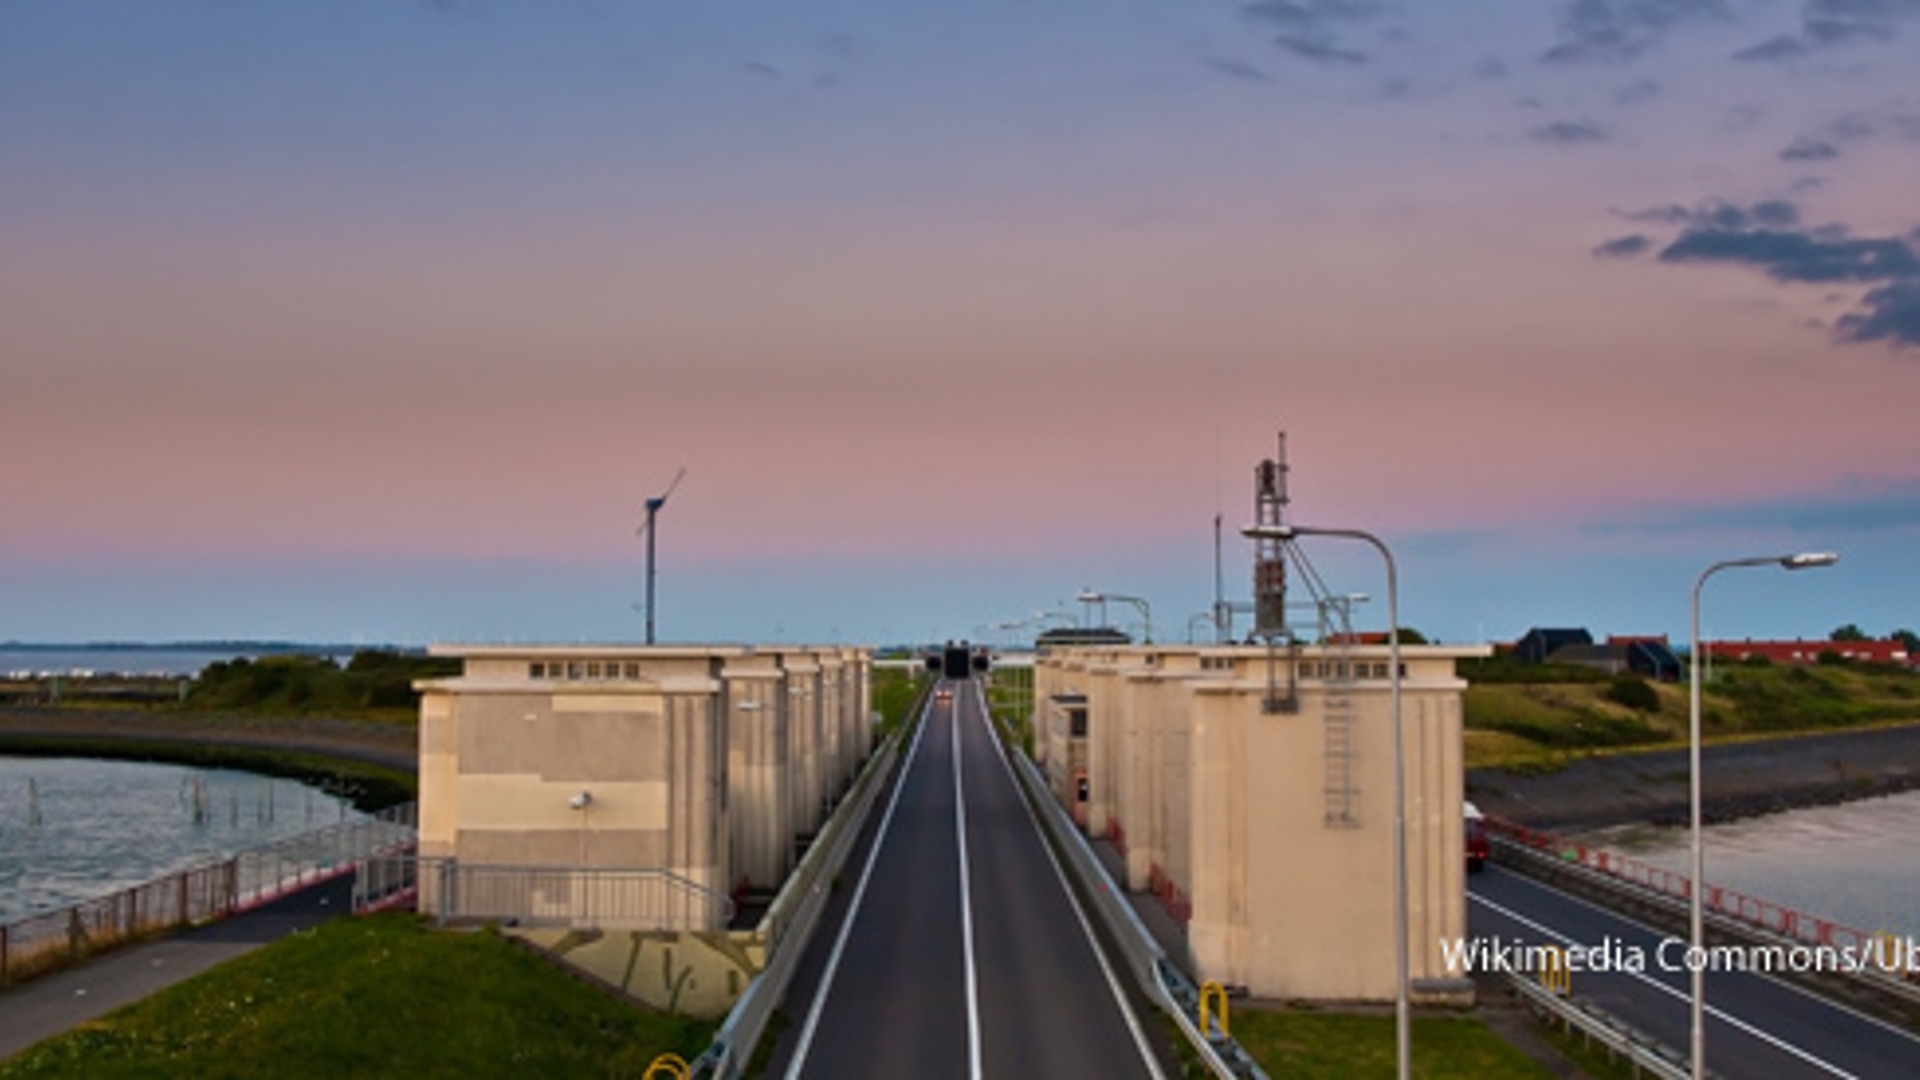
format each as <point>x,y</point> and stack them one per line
<point>647,529</point>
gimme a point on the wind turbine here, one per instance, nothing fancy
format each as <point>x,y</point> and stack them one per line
<point>647,529</point>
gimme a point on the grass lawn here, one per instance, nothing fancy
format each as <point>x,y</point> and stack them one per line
<point>378,996</point>
<point>1339,1045</point>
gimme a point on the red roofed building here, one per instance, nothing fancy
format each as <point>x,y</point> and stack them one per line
<point>1809,652</point>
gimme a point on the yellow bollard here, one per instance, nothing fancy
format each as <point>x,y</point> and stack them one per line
<point>1556,976</point>
<point>669,1066</point>
<point>1210,993</point>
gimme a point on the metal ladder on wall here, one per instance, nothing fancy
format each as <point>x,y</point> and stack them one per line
<point>1338,716</point>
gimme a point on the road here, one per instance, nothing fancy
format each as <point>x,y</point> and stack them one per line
<point>55,1003</point>
<point>960,951</point>
<point>1756,1025</point>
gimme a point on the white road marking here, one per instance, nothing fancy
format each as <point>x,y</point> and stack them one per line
<point>1113,983</point>
<point>853,910</point>
<point>1732,1021</point>
<point>966,897</point>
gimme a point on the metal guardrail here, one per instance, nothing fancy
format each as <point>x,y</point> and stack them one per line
<point>794,915</point>
<point>1620,1040</point>
<point>1147,962</point>
<point>50,940</point>
<point>1725,908</point>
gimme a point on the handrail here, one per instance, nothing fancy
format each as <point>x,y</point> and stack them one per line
<point>1728,906</point>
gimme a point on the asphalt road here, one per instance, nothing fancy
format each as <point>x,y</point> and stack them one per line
<point>1756,1026</point>
<point>959,951</point>
<point>48,1006</point>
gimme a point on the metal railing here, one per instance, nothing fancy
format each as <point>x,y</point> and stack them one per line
<point>50,940</point>
<point>604,899</point>
<point>1641,1052</point>
<point>1723,904</point>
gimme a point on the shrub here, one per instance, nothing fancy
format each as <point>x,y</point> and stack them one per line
<point>1634,692</point>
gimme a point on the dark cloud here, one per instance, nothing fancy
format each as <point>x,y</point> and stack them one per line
<point>1809,149</point>
<point>1320,52</point>
<point>1623,247</point>
<point>1892,315</point>
<point>1311,29</point>
<point>765,71</point>
<point>1768,236</point>
<point>1569,133</point>
<point>1635,92</point>
<point>1235,69</point>
<point>1490,68</point>
<point>1825,24</point>
<point>1618,31</point>
<point>1857,504</point>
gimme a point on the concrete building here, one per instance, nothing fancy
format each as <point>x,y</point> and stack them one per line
<point>638,786</point>
<point>1268,833</point>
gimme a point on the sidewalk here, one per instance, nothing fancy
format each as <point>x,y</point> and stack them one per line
<point>1171,935</point>
<point>45,1007</point>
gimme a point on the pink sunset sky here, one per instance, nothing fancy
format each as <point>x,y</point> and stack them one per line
<point>378,321</point>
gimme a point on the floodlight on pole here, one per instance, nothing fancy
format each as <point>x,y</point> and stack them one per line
<point>1696,937</point>
<point>1090,596</point>
<point>1402,1008</point>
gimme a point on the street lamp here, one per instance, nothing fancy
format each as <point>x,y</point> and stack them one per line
<point>1089,596</point>
<point>1803,561</point>
<point>1402,1023</point>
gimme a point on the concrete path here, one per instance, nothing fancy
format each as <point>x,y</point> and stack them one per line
<point>48,1006</point>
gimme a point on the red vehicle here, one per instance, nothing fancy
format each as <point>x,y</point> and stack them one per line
<point>1477,847</point>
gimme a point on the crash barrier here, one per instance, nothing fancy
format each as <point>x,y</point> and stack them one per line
<point>795,912</point>
<point>50,940</point>
<point>1643,1054</point>
<point>1891,965</point>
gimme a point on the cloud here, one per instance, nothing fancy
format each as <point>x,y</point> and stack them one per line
<point>1892,315</point>
<point>1569,133</point>
<point>1623,247</point>
<point>1236,69</point>
<point>1805,148</point>
<point>1768,236</point>
<point>1825,24</point>
<point>1311,29</point>
<point>1856,504</point>
<point>1635,92</point>
<point>1619,31</point>
<point>1320,52</point>
<point>1490,68</point>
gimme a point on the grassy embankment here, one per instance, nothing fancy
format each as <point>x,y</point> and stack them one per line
<point>379,996</point>
<point>296,716</point>
<point>1537,716</point>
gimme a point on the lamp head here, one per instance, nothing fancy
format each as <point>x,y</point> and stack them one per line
<point>1807,560</point>
<point>1268,532</point>
<point>1088,596</point>
<point>581,800</point>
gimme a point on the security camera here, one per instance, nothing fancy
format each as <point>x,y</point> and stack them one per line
<point>581,801</point>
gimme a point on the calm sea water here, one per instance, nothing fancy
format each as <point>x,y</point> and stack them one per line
<point>1857,863</point>
<point>128,660</point>
<point>72,829</point>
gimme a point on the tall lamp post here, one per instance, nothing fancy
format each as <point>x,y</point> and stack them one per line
<point>1697,887</point>
<point>1090,596</point>
<point>1402,1021</point>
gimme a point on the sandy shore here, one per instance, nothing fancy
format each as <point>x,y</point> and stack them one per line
<point>1740,780</point>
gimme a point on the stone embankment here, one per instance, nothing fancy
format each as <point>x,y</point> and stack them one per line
<point>1740,779</point>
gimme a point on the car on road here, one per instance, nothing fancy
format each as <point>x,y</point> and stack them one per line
<point>1477,846</point>
<point>943,694</point>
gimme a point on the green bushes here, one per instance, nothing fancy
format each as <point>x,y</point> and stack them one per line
<point>1633,692</point>
<point>304,684</point>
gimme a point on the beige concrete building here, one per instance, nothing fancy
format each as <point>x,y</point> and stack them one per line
<point>630,786</point>
<point>1269,833</point>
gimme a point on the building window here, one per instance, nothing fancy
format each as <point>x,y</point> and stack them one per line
<point>537,670</point>
<point>1078,719</point>
<point>573,669</point>
<point>593,669</point>
<point>633,670</point>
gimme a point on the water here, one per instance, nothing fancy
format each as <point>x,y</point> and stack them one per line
<point>72,828</point>
<point>27,661</point>
<point>1857,863</point>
